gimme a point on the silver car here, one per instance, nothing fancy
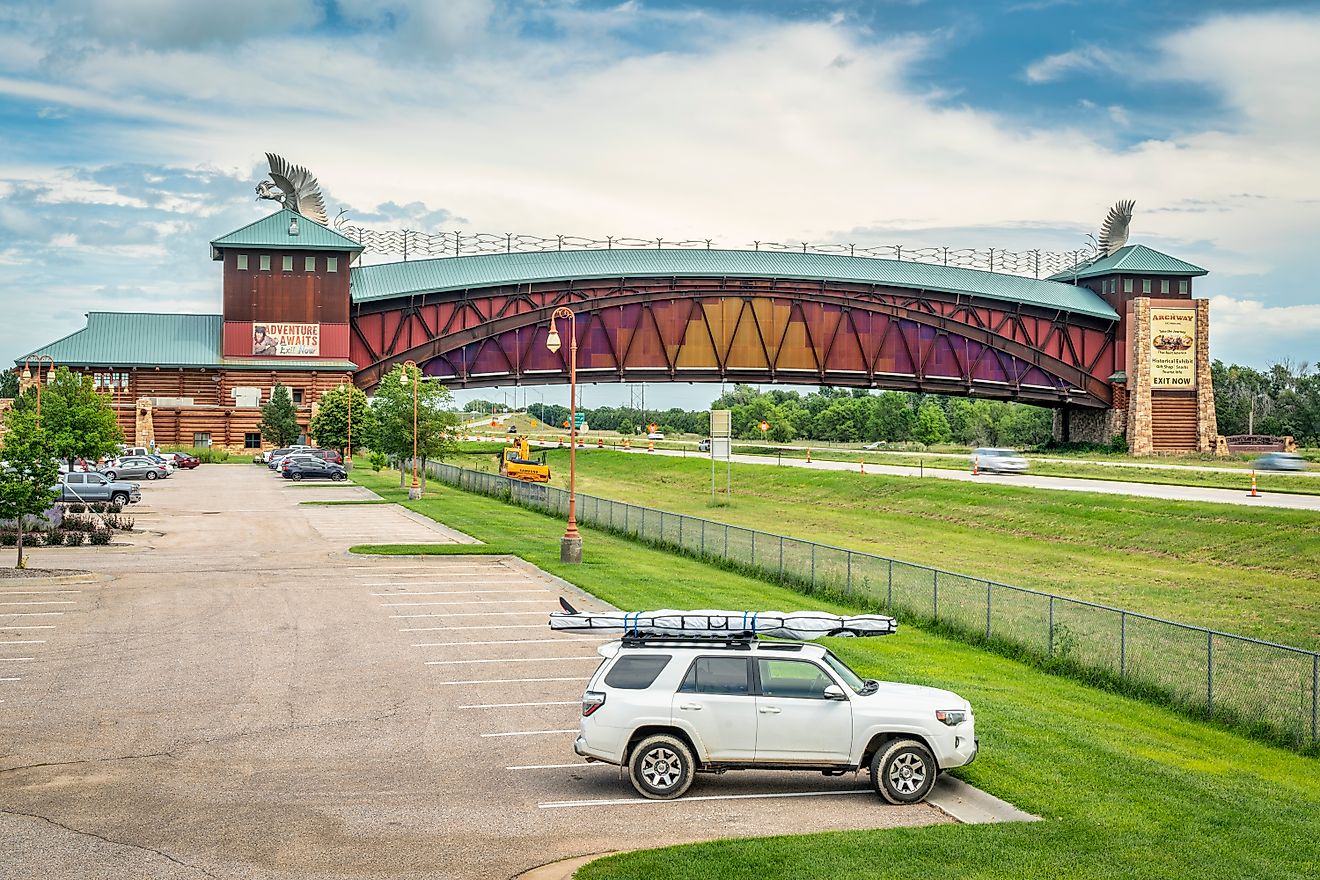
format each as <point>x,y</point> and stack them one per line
<point>998,461</point>
<point>134,468</point>
<point>1280,461</point>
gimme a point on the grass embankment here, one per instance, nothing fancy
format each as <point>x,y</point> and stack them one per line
<point>1248,571</point>
<point>1128,790</point>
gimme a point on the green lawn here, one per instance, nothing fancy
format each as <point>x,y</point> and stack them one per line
<point>1249,571</point>
<point>1128,789</point>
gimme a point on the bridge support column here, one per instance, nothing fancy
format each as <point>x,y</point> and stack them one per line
<point>1172,403</point>
<point>1077,425</point>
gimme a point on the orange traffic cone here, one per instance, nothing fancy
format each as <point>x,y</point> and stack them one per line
<point>626,444</point>
<point>600,442</point>
<point>976,465</point>
<point>561,441</point>
<point>808,455</point>
<point>650,446</point>
<point>861,465</point>
<point>1254,493</point>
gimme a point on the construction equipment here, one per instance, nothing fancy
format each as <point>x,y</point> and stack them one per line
<point>517,463</point>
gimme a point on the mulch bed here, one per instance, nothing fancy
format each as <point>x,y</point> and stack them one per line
<point>12,572</point>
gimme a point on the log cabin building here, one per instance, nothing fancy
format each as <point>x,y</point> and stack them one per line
<point>201,380</point>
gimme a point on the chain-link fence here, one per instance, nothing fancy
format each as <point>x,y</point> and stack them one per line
<point>1242,681</point>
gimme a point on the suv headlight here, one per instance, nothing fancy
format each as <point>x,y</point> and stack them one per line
<point>591,701</point>
<point>951,717</point>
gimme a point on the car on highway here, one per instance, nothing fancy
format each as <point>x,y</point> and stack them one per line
<point>1280,461</point>
<point>86,487</point>
<point>134,468</point>
<point>999,461</point>
<point>703,445</point>
<point>312,468</point>
<point>666,709</point>
<point>655,435</point>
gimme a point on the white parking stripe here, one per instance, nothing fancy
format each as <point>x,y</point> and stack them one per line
<point>472,614</point>
<point>11,679</point>
<point>576,678</point>
<point>452,592</point>
<point>27,626</point>
<point>27,642</point>
<point>31,613</point>
<point>16,659</point>
<point>520,705</point>
<point>43,602</point>
<point>498,642</point>
<point>36,592</point>
<point>612,802</point>
<point>542,600</point>
<point>425,629</point>
<point>508,660</point>
<point>560,766</point>
<point>528,733</point>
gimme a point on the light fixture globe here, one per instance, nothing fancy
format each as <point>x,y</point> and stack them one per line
<point>552,341</point>
<point>403,377</point>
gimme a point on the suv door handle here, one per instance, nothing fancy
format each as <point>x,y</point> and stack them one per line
<point>769,710</point>
<point>694,707</point>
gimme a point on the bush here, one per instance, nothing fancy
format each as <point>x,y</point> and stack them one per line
<point>74,539</point>
<point>378,461</point>
<point>204,454</point>
<point>119,523</point>
<point>113,508</point>
<point>77,508</point>
<point>34,539</point>
<point>73,523</point>
<point>97,507</point>
<point>101,537</point>
<point>8,539</point>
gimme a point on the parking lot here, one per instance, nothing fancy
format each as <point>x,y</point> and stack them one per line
<point>235,696</point>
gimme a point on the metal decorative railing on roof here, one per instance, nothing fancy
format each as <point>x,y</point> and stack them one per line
<point>414,244</point>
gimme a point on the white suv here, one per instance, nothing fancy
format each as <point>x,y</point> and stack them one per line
<point>668,708</point>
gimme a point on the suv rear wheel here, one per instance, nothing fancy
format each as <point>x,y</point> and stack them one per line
<point>661,767</point>
<point>903,771</point>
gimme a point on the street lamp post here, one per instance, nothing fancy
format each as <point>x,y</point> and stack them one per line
<point>348,450</point>
<point>415,492</point>
<point>27,377</point>
<point>570,546</point>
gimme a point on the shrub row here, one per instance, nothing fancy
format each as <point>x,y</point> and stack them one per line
<point>98,537</point>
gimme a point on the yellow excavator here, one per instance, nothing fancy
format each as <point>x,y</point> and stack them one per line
<point>517,463</point>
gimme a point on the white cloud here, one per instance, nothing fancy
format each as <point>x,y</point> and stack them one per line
<point>1251,331</point>
<point>1087,59</point>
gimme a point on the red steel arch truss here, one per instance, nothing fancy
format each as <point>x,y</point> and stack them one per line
<point>745,330</point>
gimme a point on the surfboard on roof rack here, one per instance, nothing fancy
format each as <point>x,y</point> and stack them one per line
<point>668,623</point>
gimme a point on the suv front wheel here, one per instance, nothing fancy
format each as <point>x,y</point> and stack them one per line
<point>903,771</point>
<point>661,767</point>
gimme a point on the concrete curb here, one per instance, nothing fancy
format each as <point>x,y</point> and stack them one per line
<point>971,806</point>
<point>562,869</point>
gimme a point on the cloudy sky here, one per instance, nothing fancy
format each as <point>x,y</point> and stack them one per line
<point>132,132</point>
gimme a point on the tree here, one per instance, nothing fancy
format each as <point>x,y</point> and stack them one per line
<point>437,424</point>
<point>626,426</point>
<point>8,385</point>
<point>279,420</point>
<point>932,425</point>
<point>76,421</point>
<point>28,474</point>
<point>329,428</point>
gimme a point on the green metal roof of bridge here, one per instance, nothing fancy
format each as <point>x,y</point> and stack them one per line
<point>389,280</point>
<point>1133,259</point>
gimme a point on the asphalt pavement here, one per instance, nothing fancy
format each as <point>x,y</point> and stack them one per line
<point>231,695</point>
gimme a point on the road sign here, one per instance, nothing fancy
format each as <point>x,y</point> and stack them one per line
<point>719,422</point>
<point>765,426</point>
<point>580,418</point>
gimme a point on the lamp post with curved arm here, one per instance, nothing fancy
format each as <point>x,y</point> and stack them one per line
<point>27,376</point>
<point>415,492</point>
<point>570,546</point>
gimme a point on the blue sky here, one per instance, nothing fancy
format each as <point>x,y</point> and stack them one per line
<point>132,132</point>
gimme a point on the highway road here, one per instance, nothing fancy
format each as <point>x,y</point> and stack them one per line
<point>1069,484</point>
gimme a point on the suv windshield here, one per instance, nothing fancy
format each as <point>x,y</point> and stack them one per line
<point>849,677</point>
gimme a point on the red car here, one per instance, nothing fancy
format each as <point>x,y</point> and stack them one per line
<point>184,460</point>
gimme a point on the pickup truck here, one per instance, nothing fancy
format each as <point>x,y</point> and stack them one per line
<point>95,487</point>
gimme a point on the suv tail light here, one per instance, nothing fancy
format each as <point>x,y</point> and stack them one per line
<point>591,701</point>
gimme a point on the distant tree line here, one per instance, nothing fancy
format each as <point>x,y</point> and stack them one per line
<point>1281,400</point>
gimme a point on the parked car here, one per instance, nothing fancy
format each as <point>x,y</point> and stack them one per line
<point>333,455</point>
<point>1280,461</point>
<point>703,445</point>
<point>667,708</point>
<point>97,487</point>
<point>166,462</point>
<point>314,468</point>
<point>513,429</point>
<point>134,468</point>
<point>184,461</point>
<point>999,461</point>
<point>289,460</point>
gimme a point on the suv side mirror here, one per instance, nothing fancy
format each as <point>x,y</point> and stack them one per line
<point>834,692</point>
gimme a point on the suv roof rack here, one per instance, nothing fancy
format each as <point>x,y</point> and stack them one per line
<point>741,641</point>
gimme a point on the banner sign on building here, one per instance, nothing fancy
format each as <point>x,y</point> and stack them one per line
<point>1172,348</point>
<point>286,340</point>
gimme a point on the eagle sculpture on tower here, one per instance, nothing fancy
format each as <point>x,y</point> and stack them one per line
<point>294,187</point>
<point>1114,231</point>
